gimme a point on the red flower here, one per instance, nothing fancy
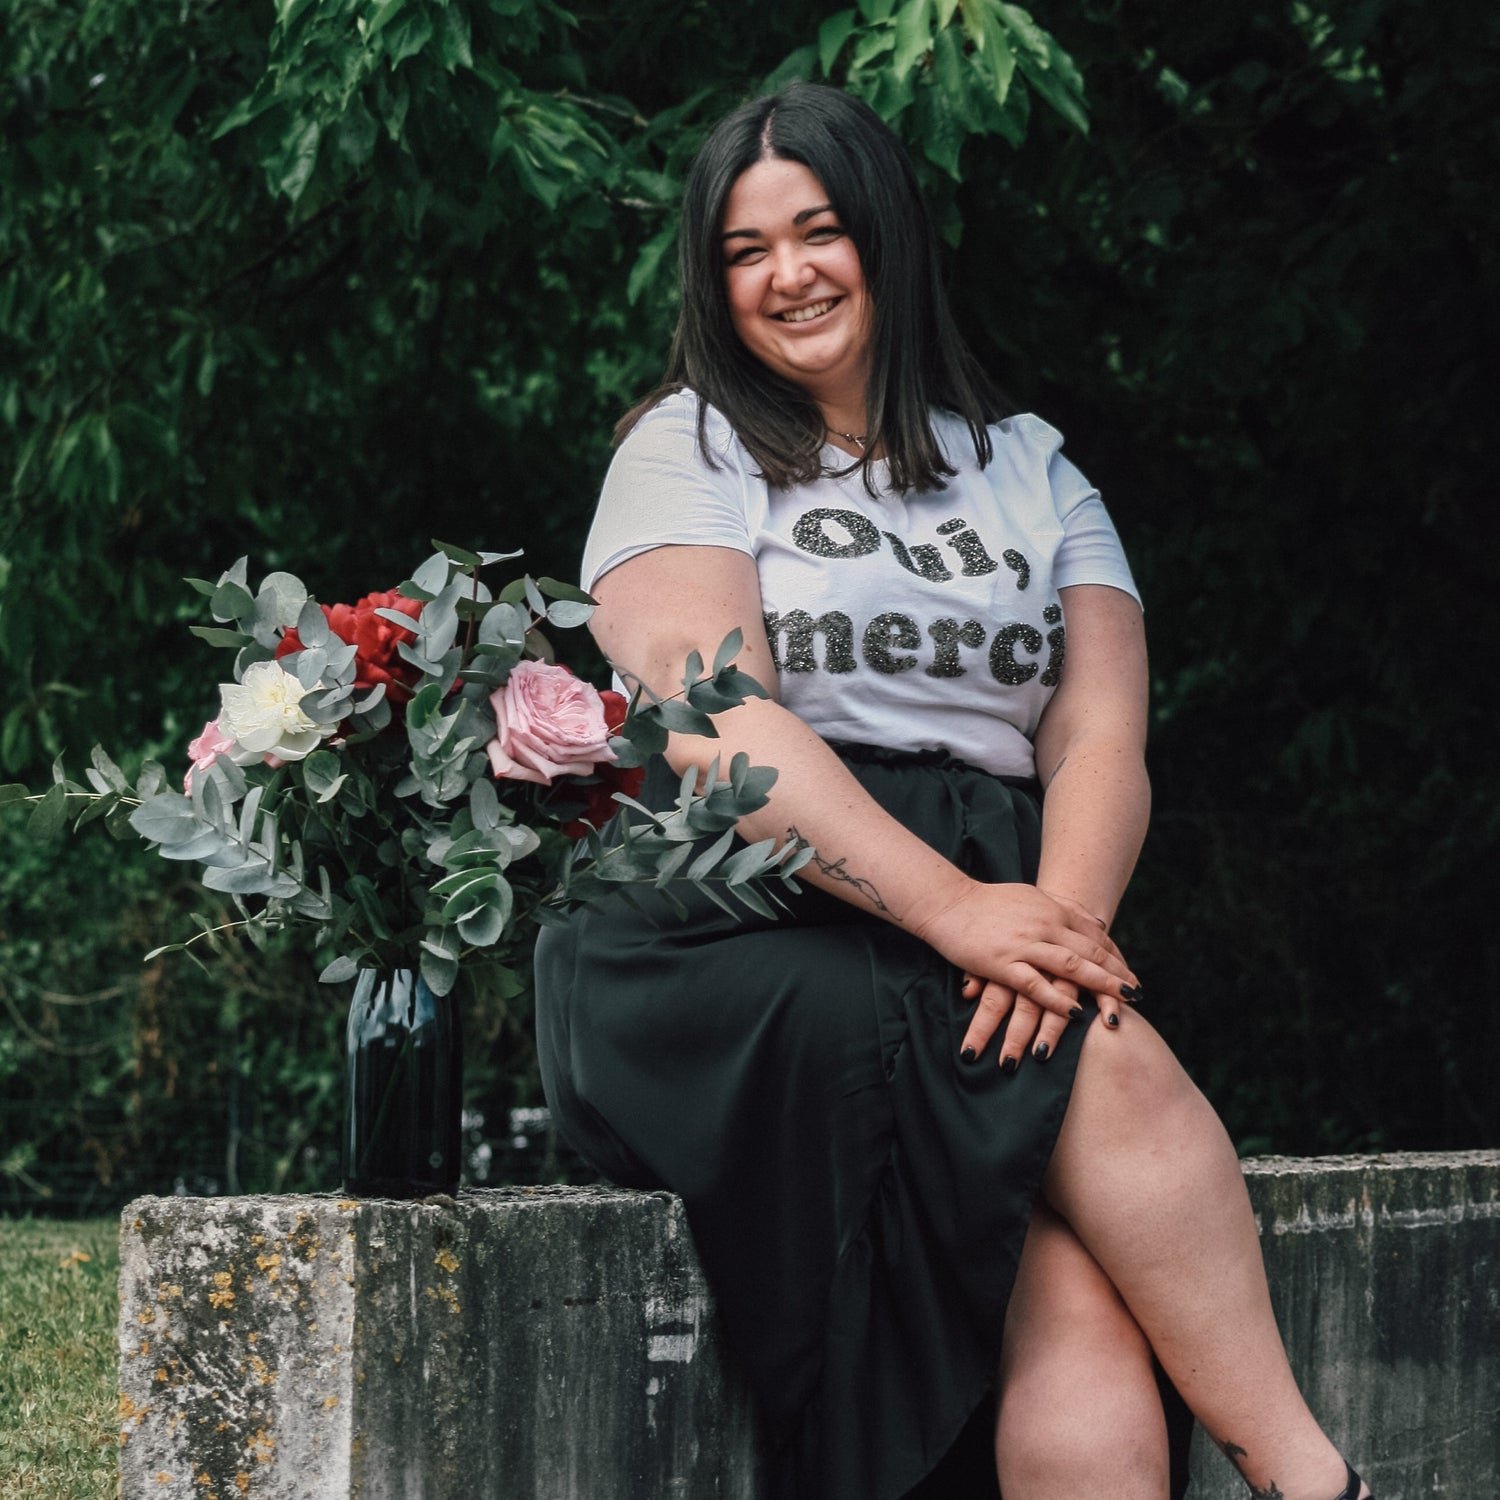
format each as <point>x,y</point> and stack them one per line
<point>608,779</point>
<point>375,640</point>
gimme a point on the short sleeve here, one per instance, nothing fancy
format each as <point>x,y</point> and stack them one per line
<point>660,490</point>
<point>1090,551</point>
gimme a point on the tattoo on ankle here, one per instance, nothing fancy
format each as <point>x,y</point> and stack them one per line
<point>1232,1451</point>
<point>835,870</point>
<point>1271,1492</point>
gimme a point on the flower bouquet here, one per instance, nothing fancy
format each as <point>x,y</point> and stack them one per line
<point>417,780</point>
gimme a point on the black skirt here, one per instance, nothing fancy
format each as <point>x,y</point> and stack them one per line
<point>858,1195</point>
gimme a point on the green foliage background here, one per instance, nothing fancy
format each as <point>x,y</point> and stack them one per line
<point>320,279</point>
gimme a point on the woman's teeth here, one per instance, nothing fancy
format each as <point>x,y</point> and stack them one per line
<point>802,314</point>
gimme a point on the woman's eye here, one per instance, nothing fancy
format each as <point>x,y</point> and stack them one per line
<point>743,257</point>
<point>826,232</point>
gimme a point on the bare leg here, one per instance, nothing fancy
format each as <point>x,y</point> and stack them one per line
<point>1147,1179</point>
<point>1079,1409</point>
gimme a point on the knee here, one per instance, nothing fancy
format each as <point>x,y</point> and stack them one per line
<point>1134,1075</point>
<point>1065,1428</point>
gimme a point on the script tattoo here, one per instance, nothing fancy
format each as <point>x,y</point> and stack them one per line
<point>835,870</point>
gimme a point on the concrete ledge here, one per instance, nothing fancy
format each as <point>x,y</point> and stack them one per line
<point>560,1343</point>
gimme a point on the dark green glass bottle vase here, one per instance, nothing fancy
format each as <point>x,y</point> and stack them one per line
<point>403,1088</point>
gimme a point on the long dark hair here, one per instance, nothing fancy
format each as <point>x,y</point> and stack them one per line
<point>918,358</point>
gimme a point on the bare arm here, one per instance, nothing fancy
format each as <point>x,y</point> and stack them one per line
<point>1090,751</point>
<point>656,608</point>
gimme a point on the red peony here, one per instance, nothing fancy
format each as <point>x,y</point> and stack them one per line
<point>375,640</point>
<point>610,779</point>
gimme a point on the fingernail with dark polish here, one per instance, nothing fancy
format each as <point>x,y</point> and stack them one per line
<point>968,1055</point>
<point>1008,1066</point>
<point>1041,1052</point>
<point>1128,991</point>
<point>1076,1013</point>
<point>1111,1020</point>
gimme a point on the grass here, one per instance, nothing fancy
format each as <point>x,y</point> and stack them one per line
<point>58,1387</point>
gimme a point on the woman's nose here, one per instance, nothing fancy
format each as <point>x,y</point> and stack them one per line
<point>791,270</point>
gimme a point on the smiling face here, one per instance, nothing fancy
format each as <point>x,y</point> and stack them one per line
<point>795,287</point>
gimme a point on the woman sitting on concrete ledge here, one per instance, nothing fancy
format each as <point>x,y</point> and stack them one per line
<point>968,1220</point>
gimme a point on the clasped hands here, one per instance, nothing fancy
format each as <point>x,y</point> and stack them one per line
<point>1025,955</point>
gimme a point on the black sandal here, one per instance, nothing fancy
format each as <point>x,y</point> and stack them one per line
<point>1352,1485</point>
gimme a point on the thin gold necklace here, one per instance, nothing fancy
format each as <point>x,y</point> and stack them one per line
<point>858,440</point>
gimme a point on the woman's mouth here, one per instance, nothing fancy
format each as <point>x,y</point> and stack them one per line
<point>808,313</point>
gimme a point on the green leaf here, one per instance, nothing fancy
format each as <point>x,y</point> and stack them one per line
<point>13,792</point>
<point>231,601</point>
<point>290,173</point>
<point>323,774</point>
<point>566,614</point>
<point>454,45</point>
<point>729,648</point>
<point>681,719</point>
<point>647,265</point>
<point>461,555</point>
<point>710,857</point>
<point>913,35</point>
<point>832,35</point>
<point>340,971</point>
<point>554,589</point>
<point>111,773</point>
<point>50,814</point>
<point>219,637</point>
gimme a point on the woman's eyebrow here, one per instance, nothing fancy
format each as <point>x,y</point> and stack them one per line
<point>798,221</point>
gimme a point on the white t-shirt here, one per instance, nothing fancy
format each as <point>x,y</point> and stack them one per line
<point>913,621</point>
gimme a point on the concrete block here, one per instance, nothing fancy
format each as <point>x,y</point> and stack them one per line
<point>561,1344</point>
<point>556,1343</point>
<point>1385,1276</point>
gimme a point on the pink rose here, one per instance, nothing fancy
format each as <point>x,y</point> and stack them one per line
<point>547,724</point>
<point>205,750</point>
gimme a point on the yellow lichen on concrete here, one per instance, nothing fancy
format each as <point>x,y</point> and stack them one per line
<point>146,1318</point>
<point>253,1338</point>
<point>162,1477</point>
<point>242,1482</point>
<point>128,1409</point>
<point>224,1296</point>
<point>329,1402</point>
<point>161,1377</point>
<point>266,1262</point>
<point>264,1374</point>
<point>257,1239</point>
<point>446,1260</point>
<point>450,1299</point>
<point>345,1204</point>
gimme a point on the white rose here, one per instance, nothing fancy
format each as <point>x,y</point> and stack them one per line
<point>261,714</point>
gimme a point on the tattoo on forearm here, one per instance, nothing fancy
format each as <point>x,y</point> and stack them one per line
<point>836,870</point>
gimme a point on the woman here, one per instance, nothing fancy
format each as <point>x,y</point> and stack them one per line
<point>938,1172</point>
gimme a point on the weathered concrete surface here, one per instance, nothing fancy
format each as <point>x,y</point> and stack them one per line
<point>556,1343</point>
<point>1385,1274</point>
<point>560,1343</point>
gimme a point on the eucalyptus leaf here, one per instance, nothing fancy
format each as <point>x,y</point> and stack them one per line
<point>50,814</point>
<point>568,615</point>
<point>312,625</point>
<point>168,818</point>
<point>340,971</point>
<point>217,636</point>
<point>432,576</point>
